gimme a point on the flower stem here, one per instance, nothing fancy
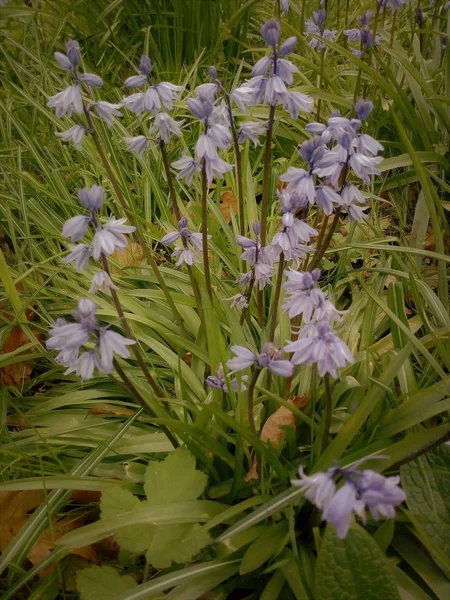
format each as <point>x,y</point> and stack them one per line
<point>266,175</point>
<point>148,252</point>
<point>129,385</point>
<point>328,412</point>
<point>238,157</point>
<point>326,241</point>
<point>276,298</point>
<point>319,85</point>
<point>129,333</point>
<point>177,213</point>
<point>250,394</point>
<point>205,230</point>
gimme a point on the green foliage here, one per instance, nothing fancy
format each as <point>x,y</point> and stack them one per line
<point>352,568</point>
<point>102,583</point>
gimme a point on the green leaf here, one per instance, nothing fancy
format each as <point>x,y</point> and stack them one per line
<point>174,480</point>
<point>268,544</point>
<point>352,568</point>
<point>176,543</point>
<point>102,583</point>
<point>426,482</point>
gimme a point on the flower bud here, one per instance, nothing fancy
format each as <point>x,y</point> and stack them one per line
<point>256,227</point>
<point>363,109</point>
<point>73,52</point>
<point>288,46</point>
<point>212,72</point>
<point>145,65</point>
<point>271,32</point>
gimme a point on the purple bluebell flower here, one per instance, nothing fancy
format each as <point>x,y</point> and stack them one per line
<point>285,6</point>
<point>67,101</point>
<point>106,111</point>
<point>207,91</point>
<point>136,81</point>
<point>74,135</point>
<point>251,130</point>
<point>238,301</point>
<point>155,96</point>
<point>91,198</point>
<point>285,70</point>
<point>85,314</point>
<point>187,168</point>
<point>349,198</point>
<point>80,255</point>
<point>300,183</point>
<point>185,255</point>
<point>271,32</point>
<point>164,127</point>
<point>63,61</point>
<point>73,52</point>
<point>366,144</point>
<point>270,358</point>
<point>84,365</point>
<point>361,490</point>
<point>244,96</point>
<point>111,343</point>
<point>219,381</point>
<point>76,227</point>
<point>111,237</point>
<point>315,26</point>
<point>318,344</point>
<point>102,281</point>
<point>303,297</point>
<point>364,166</point>
<point>294,102</point>
<point>137,144</point>
<point>145,65</point>
<point>288,46</point>
<point>91,80</point>
<point>325,197</point>
<point>363,108</point>
<point>67,337</point>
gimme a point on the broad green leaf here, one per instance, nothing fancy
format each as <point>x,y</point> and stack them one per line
<point>176,543</point>
<point>426,482</point>
<point>174,480</point>
<point>268,544</point>
<point>352,568</point>
<point>102,583</point>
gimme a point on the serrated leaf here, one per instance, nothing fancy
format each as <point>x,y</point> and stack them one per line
<point>426,482</point>
<point>173,543</point>
<point>102,583</point>
<point>134,538</point>
<point>174,480</point>
<point>352,568</point>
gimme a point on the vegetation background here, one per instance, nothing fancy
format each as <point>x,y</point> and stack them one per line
<point>64,443</point>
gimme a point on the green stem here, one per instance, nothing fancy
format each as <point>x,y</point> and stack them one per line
<point>319,85</point>
<point>328,412</point>
<point>326,241</point>
<point>250,394</point>
<point>205,230</point>
<point>148,253</point>
<point>276,298</point>
<point>238,157</point>
<point>266,175</point>
<point>129,333</point>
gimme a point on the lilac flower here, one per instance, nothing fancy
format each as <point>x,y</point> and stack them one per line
<point>84,365</point>
<point>319,344</point>
<point>216,168</point>
<point>155,96</point>
<point>316,26</point>
<point>111,237</point>
<point>91,198</point>
<point>251,130</point>
<point>271,32</point>
<point>363,109</point>
<point>361,490</point>
<point>275,90</point>
<point>285,6</point>
<point>244,96</point>
<point>325,197</point>
<point>288,46</point>
<point>185,255</point>
<point>80,255</point>
<point>300,183</point>
<point>136,81</point>
<point>207,91</point>
<point>67,101</point>
<point>64,336</point>
<point>102,281</point>
<point>164,126</point>
<point>349,195</point>
<point>364,166</point>
<point>91,79</point>
<point>137,144</point>
<point>303,296</point>
<point>187,167</point>
<point>106,111</point>
<point>285,69</point>
<point>269,358</point>
<point>219,382</point>
<point>76,227</point>
<point>75,135</point>
<point>366,144</point>
<point>73,52</point>
<point>238,301</point>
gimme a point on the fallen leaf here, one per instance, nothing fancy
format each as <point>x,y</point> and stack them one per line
<point>228,205</point>
<point>85,497</point>
<point>253,472</point>
<point>19,373</point>
<point>129,256</point>
<point>273,429</point>
<point>111,410</point>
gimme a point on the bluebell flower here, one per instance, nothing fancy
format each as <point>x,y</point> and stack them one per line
<point>271,32</point>
<point>67,101</point>
<point>219,381</point>
<point>164,127</point>
<point>106,111</point>
<point>361,490</point>
<point>111,343</point>
<point>244,96</point>
<point>270,358</point>
<point>363,108</point>
<point>303,297</point>
<point>207,91</point>
<point>76,227</point>
<point>73,52</point>
<point>238,301</point>
<point>288,46</point>
<point>294,102</point>
<point>300,183</point>
<point>91,198</point>
<point>285,6</point>
<point>74,135</point>
<point>111,237</point>
<point>137,144</point>
<point>187,167</point>
<point>316,26</point>
<point>155,96</point>
<point>80,255</point>
<point>185,255</point>
<point>67,336</point>
<point>318,344</point>
<point>251,130</point>
<point>349,198</point>
<point>91,80</point>
<point>102,281</point>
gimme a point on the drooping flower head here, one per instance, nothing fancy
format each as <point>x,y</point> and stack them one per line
<point>270,358</point>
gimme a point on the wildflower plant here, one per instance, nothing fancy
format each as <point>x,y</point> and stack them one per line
<point>234,345</point>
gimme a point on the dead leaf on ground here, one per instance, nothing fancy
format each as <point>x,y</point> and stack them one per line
<point>273,429</point>
<point>16,374</point>
<point>111,410</point>
<point>129,256</point>
<point>228,205</point>
<point>15,508</point>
